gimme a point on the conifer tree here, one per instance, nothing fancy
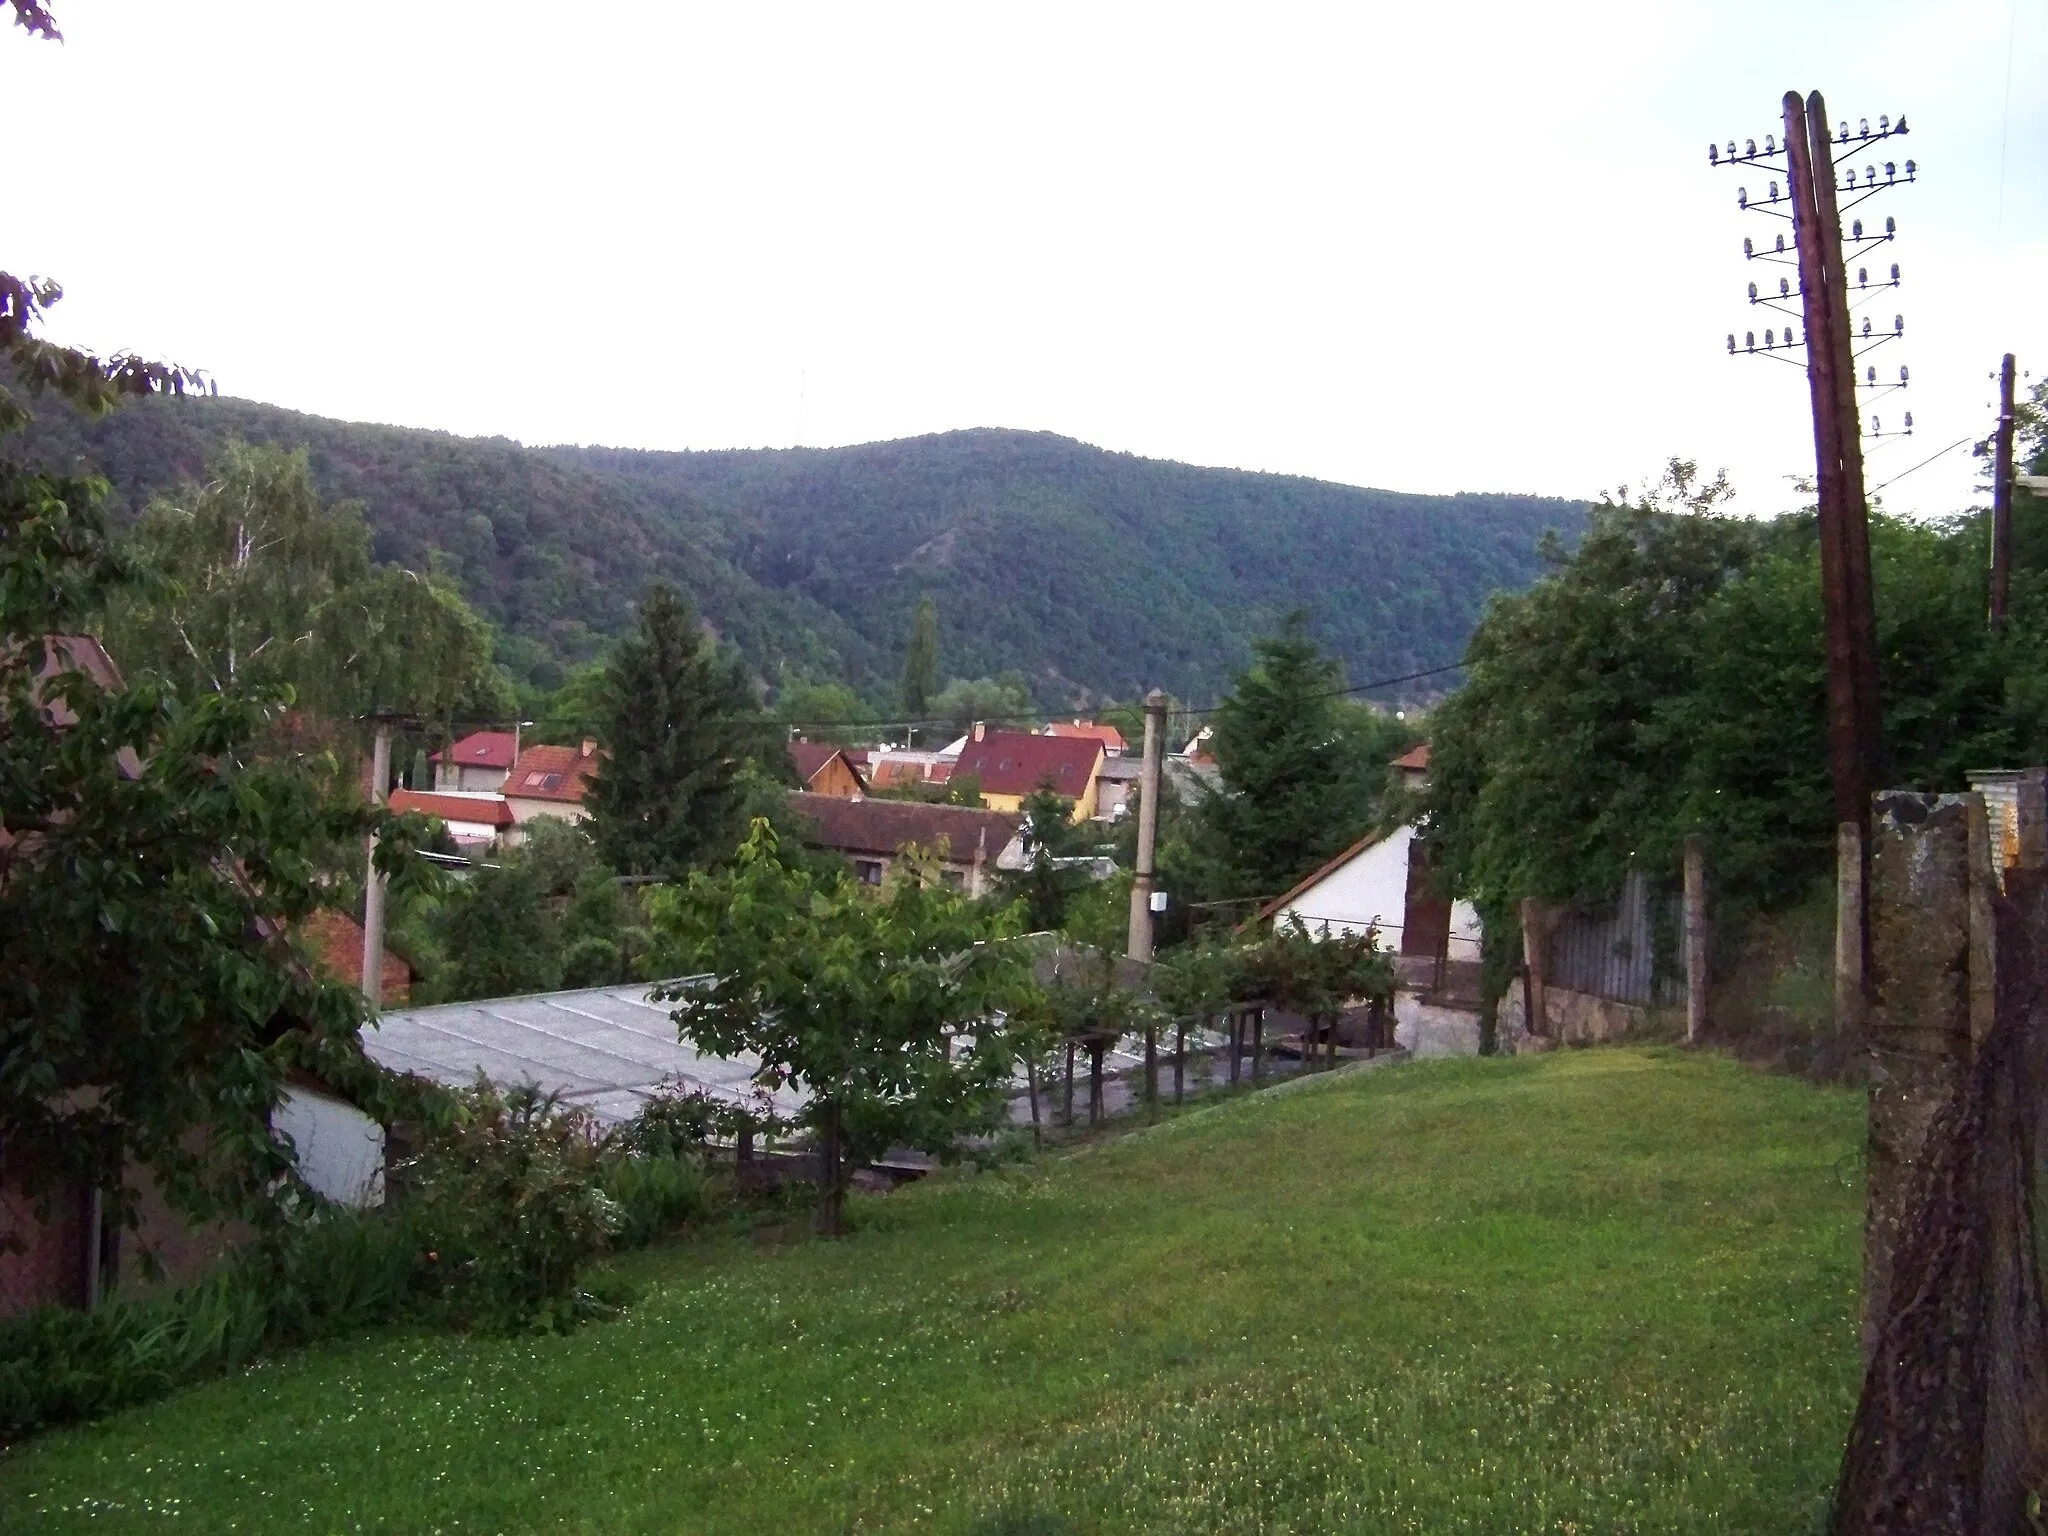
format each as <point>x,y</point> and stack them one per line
<point>921,660</point>
<point>669,794</point>
<point>1302,764</point>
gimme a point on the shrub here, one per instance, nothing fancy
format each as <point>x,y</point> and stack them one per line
<point>510,1204</point>
<point>655,1194</point>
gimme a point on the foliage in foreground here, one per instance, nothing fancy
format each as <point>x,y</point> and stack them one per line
<point>1605,1290</point>
<point>1670,677</point>
<point>502,1213</point>
<point>873,1006</point>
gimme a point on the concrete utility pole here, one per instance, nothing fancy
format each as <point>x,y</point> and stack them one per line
<point>373,888</point>
<point>1695,937</point>
<point>1139,946</point>
<point>2001,499</point>
<point>1854,738</point>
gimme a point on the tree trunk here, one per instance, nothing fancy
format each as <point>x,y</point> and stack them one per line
<point>832,1196</point>
<point>1031,1089</point>
<point>1332,1056</point>
<point>1095,1048</point>
<point>1180,1057</point>
<point>1151,1071</point>
<point>1067,1109</point>
<point>1258,1043</point>
<point>1236,1043</point>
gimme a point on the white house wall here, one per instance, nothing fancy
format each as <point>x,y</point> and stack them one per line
<point>1372,887</point>
<point>340,1149</point>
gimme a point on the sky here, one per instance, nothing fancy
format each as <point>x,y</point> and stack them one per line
<point>1427,248</point>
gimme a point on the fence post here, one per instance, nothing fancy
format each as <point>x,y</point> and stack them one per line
<point>1535,936</point>
<point>1919,1020</point>
<point>1695,938</point>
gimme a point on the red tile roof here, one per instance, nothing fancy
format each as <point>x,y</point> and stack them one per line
<point>335,942</point>
<point>1017,763</point>
<point>884,826</point>
<point>481,749</point>
<point>552,773</point>
<point>1088,730</point>
<point>491,810</point>
<point>1417,758</point>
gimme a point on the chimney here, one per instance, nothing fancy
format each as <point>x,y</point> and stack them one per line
<point>589,747</point>
<point>980,729</point>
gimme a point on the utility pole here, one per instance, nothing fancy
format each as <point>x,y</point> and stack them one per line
<point>2001,499</point>
<point>373,886</point>
<point>1139,946</point>
<point>1810,204</point>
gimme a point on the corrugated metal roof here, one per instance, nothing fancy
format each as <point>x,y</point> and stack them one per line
<point>605,1049</point>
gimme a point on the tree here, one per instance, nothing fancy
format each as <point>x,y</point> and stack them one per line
<point>1193,983</point>
<point>878,1009</point>
<point>150,1010</point>
<point>921,659</point>
<point>668,795</point>
<point>1045,884</point>
<point>261,586</point>
<point>1302,767</point>
<point>964,701</point>
<point>824,711</point>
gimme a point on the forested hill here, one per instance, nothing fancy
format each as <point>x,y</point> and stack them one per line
<point>1084,569</point>
<point>1097,569</point>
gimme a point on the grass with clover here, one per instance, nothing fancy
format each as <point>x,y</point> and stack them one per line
<point>1605,1291</point>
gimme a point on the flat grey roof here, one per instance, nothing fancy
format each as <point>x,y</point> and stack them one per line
<point>604,1049</point>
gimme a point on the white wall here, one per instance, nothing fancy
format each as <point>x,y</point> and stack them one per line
<point>340,1149</point>
<point>1372,887</point>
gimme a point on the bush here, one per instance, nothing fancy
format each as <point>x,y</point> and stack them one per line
<point>510,1204</point>
<point>508,1207</point>
<point>655,1194</point>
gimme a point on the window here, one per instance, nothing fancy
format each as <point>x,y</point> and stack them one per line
<point>868,871</point>
<point>954,878</point>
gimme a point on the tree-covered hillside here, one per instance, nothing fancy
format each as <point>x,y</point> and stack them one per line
<point>1091,572</point>
<point>1096,570</point>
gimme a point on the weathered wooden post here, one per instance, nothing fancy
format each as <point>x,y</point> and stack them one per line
<point>1695,938</point>
<point>1951,1429</point>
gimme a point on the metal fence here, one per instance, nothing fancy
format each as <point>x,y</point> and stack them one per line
<point>1612,953</point>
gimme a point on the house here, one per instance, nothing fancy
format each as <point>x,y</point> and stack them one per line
<point>1383,881</point>
<point>897,767</point>
<point>475,819</point>
<point>824,769</point>
<point>1014,765</point>
<point>1413,767</point>
<point>872,834</point>
<point>59,1243</point>
<point>1116,787</point>
<point>1111,738</point>
<point>550,781</point>
<point>478,763</point>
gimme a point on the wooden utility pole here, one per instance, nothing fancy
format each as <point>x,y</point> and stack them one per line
<point>2001,499</point>
<point>1139,946</point>
<point>1854,733</point>
<point>373,887</point>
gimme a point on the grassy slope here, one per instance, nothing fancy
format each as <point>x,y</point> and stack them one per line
<point>1602,1291</point>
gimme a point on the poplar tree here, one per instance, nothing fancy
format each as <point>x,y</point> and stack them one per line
<point>921,659</point>
<point>670,792</point>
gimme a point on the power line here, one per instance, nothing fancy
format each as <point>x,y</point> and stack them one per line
<point>1895,479</point>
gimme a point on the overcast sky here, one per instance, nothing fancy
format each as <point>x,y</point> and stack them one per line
<point>1432,248</point>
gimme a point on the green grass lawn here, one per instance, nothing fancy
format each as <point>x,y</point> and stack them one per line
<point>1596,1291</point>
